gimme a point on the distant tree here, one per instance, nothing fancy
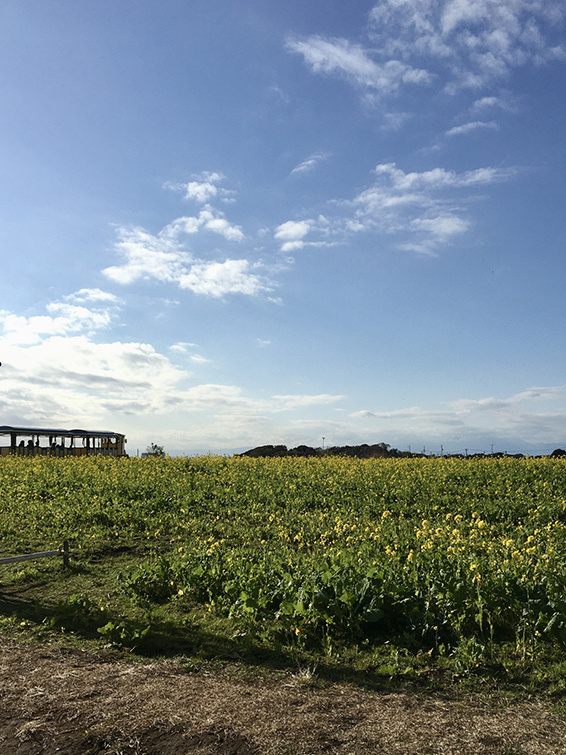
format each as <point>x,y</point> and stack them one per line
<point>154,450</point>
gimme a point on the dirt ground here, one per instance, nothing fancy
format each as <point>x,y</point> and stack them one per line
<point>72,702</point>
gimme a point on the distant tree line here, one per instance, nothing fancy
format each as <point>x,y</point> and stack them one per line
<point>376,451</point>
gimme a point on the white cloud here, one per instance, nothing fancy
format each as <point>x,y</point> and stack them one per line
<point>310,163</point>
<point>92,295</point>
<point>461,43</point>
<point>62,376</point>
<point>291,246</point>
<point>148,256</point>
<point>352,61</point>
<point>292,234</point>
<point>63,319</point>
<point>221,278</point>
<point>54,370</point>
<point>54,374</point>
<point>162,257</point>
<point>200,192</point>
<point>201,189</point>
<point>476,41</point>
<point>428,208</point>
<point>421,204</point>
<point>72,377</point>
<point>207,219</point>
<point>536,415</point>
<point>466,128</point>
<point>506,102</point>
<point>485,102</point>
<point>220,225</point>
<point>182,346</point>
<point>439,178</point>
<point>441,226</point>
<point>199,359</point>
<point>293,230</point>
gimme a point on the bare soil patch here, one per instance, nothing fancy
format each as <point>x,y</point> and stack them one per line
<point>73,702</point>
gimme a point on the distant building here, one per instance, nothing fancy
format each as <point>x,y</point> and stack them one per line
<point>40,441</point>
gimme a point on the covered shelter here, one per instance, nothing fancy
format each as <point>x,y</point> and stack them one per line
<point>41,441</point>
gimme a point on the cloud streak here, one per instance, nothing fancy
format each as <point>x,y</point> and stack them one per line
<point>310,163</point>
<point>467,128</point>
<point>353,62</point>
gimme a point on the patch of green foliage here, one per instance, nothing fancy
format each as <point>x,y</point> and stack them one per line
<point>397,568</point>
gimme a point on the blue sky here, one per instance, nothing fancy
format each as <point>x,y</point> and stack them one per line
<point>230,224</point>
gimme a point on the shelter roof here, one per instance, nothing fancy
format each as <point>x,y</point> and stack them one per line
<point>8,430</point>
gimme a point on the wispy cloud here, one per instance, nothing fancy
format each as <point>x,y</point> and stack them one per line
<point>536,415</point>
<point>182,346</point>
<point>457,43</point>
<point>394,121</point>
<point>354,63</point>
<point>310,163</point>
<point>466,128</point>
<point>185,347</point>
<point>421,203</point>
<point>476,41</point>
<point>425,210</point>
<point>91,295</point>
<point>285,403</point>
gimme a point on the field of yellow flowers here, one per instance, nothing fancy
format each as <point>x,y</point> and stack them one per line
<point>431,554</point>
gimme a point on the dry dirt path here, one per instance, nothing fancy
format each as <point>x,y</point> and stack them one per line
<point>72,702</point>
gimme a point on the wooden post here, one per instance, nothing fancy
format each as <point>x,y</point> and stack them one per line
<point>65,554</point>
